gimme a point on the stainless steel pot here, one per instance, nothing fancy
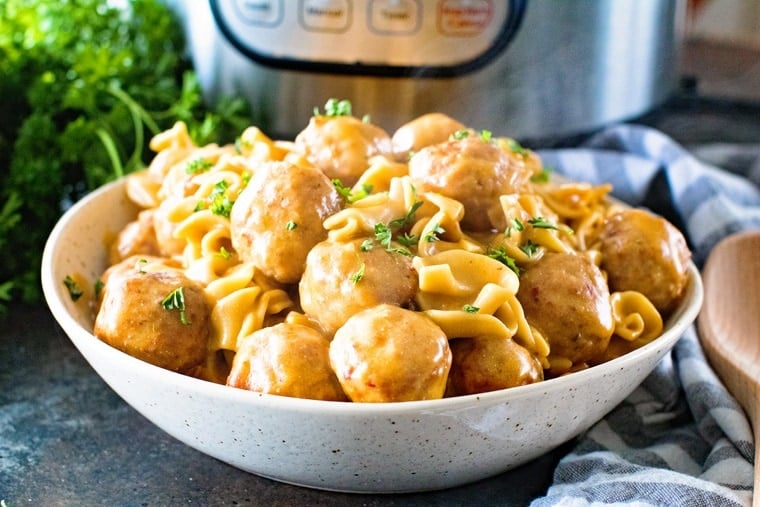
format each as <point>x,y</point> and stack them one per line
<point>532,69</point>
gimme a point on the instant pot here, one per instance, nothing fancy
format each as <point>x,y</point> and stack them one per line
<point>531,69</point>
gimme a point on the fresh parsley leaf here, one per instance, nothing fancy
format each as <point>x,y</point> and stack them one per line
<point>541,223</point>
<point>198,165</point>
<point>359,275</point>
<point>75,291</point>
<point>175,300</point>
<point>500,254</point>
<point>335,108</point>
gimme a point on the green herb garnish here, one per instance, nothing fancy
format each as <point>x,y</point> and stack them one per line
<point>75,291</point>
<point>500,254</point>
<point>175,300</point>
<point>335,108</point>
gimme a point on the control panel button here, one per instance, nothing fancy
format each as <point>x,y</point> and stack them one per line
<point>325,15</point>
<point>260,12</point>
<point>464,18</point>
<point>395,17</point>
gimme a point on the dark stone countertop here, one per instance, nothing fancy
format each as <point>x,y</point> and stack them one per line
<point>67,439</point>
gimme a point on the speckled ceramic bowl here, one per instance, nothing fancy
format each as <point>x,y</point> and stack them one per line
<point>395,447</point>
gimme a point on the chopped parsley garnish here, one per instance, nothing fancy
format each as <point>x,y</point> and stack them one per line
<point>470,309</point>
<point>223,253</point>
<point>140,265</point>
<point>383,234</point>
<point>460,134</point>
<point>98,286</point>
<point>175,300</point>
<point>348,194</point>
<point>366,245</point>
<point>334,108</point>
<point>432,236</point>
<point>529,248</point>
<point>221,204</point>
<point>500,254</point>
<point>357,277</point>
<point>291,225</point>
<point>75,291</point>
<point>516,147</point>
<point>486,136</point>
<point>515,225</point>
<point>541,223</point>
<point>402,222</point>
<point>407,239</point>
<point>543,176</point>
<point>198,165</point>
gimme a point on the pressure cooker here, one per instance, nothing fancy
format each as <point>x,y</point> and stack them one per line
<point>531,69</point>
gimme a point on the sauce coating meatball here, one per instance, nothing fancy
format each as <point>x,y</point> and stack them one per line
<point>278,217</point>
<point>341,146</point>
<point>489,363</point>
<point>474,171</point>
<point>644,252</point>
<point>287,360</point>
<point>137,237</point>
<point>135,318</point>
<point>386,354</point>
<point>566,298</point>
<point>342,279</point>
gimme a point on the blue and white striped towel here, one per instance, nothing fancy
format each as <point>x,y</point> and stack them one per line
<point>680,438</point>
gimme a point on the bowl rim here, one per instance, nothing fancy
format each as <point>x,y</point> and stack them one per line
<point>675,325</point>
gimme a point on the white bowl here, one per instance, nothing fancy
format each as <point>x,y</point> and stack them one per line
<point>393,447</point>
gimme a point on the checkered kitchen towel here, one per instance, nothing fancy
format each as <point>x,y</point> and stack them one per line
<point>680,438</point>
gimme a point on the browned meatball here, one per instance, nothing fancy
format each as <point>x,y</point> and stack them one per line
<point>287,360</point>
<point>431,128</point>
<point>160,317</point>
<point>343,278</point>
<point>567,299</point>
<point>278,218</point>
<point>137,237</point>
<point>474,171</point>
<point>489,363</point>
<point>341,146</point>
<point>644,252</point>
<point>386,354</point>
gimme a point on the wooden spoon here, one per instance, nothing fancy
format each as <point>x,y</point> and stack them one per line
<point>729,324</point>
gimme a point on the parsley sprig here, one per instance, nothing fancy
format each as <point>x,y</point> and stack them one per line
<point>175,300</point>
<point>334,108</point>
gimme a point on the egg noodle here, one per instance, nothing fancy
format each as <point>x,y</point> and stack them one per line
<point>467,278</point>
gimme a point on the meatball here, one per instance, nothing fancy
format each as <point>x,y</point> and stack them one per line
<point>431,128</point>
<point>489,363</point>
<point>287,360</point>
<point>566,298</point>
<point>644,252</point>
<point>341,146</point>
<point>278,218</point>
<point>474,171</point>
<point>137,237</point>
<point>343,278</point>
<point>161,317</point>
<point>386,354</point>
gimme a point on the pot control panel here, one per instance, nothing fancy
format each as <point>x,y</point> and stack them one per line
<point>372,37</point>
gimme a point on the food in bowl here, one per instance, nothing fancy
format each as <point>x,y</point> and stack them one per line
<point>338,445</point>
<point>452,266</point>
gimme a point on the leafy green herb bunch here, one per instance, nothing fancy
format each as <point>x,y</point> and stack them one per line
<point>84,84</point>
